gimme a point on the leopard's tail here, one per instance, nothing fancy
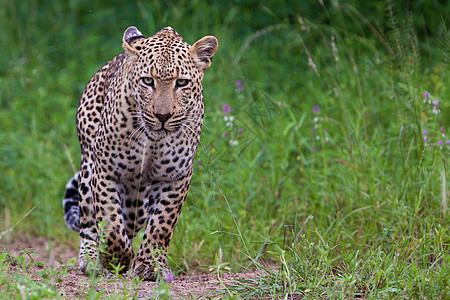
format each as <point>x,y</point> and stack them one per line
<point>70,204</point>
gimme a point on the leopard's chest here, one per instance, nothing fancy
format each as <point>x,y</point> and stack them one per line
<point>151,157</point>
<point>167,159</point>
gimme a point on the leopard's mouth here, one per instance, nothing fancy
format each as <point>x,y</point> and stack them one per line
<point>162,123</point>
<point>163,127</point>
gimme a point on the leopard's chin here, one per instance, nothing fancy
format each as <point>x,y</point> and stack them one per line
<point>164,130</point>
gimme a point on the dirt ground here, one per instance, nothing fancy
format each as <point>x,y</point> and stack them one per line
<point>74,285</point>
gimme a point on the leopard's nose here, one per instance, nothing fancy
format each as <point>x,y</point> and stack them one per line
<point>163,117</point>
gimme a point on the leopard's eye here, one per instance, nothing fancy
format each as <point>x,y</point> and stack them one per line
<point>181,82</point>
<point>148,81</point>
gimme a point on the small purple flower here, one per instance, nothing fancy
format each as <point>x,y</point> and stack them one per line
<point>225,134</point>
<point>169,278</point>
<point>442,129</point>
<point>425,139</point>
<point>226,109</point>
<point>327,130</point>
<point>316,109</point>
<point>435,102</point>
<point>447,142</point>
<point>239,85</point>
<point>314,129</point>
<point>241,130</point>
<point>424,132</point>
<point>440,143</point>
<point>315,148</point>
<point>426,95</point>
<point>200,162</point>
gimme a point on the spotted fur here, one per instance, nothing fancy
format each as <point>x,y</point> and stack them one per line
<point>139,122</point>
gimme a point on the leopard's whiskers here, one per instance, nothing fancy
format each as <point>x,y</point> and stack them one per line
<point>192,130</point>
<point>135,134</point>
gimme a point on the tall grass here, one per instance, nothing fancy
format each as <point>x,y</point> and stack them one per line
<point>331,179</point>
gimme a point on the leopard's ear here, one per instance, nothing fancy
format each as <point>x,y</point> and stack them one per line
<point>203,51</point>
<point>131,40</point>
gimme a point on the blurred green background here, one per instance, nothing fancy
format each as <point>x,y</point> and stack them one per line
<point>362,169</point>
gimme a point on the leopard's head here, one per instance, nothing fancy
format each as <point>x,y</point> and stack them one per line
<point>163,75</point>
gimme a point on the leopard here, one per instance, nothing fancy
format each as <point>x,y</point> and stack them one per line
<point>139,122</point>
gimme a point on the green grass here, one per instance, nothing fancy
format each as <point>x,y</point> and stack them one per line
<point>24,285</point>
<point>360,211</point>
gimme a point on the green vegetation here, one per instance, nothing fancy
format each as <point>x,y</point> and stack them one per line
<point>336,186</point>
<point>20,283</point>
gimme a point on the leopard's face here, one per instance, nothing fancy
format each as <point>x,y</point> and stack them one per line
<point>165,83</point>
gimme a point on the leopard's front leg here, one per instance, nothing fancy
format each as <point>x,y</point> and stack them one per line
<point>114,246</point>
<point>88,225</point>
<point>166,200</point>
